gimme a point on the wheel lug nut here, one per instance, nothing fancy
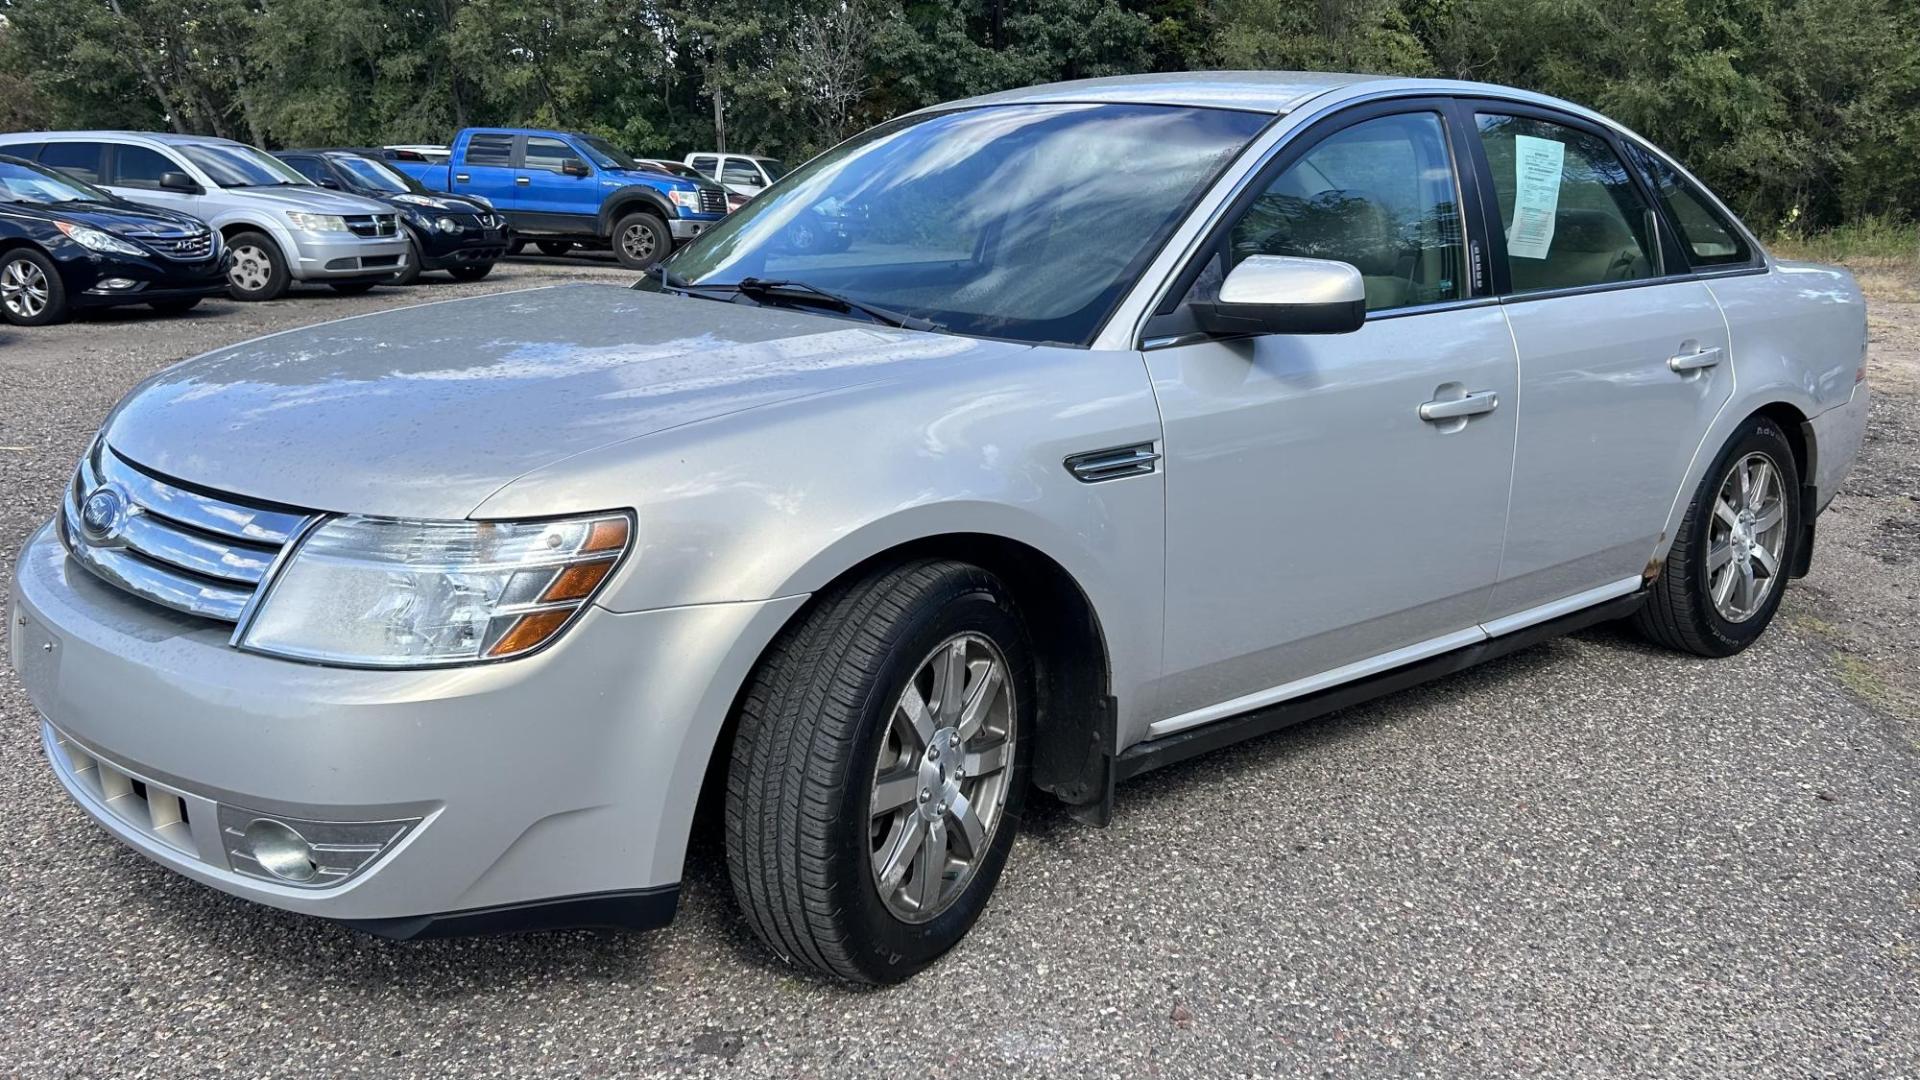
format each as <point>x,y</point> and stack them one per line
<point>925,794</point>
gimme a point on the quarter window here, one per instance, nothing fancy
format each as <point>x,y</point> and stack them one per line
<point>706,164</point>
<point>80,160</point>
<point>1379,195</point>
<point>309,167</point>
<point>139,167</point>
<point>1569,210</point>
<point>490,150</point>
<point>1710,238</point>
<point>549,154</point>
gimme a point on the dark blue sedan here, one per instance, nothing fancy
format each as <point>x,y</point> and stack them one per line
<point>65,244</point>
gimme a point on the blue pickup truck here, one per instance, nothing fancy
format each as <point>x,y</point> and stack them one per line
<point>561,188</point>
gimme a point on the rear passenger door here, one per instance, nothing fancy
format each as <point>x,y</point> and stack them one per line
<point>486,168</point>
<point>84,161</point>
<point>1623,356</point>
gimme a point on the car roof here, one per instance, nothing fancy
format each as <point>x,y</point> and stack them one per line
<point>1255,91</point>
<point>169,138</point>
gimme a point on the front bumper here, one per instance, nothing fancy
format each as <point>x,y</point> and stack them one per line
<point>153,278</point>
<point>469,245</point>
<point>334,256</point>
<point>568,775</point>
<point>686,228</point>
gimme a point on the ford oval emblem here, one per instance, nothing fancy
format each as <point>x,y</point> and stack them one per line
<point>103,514</point>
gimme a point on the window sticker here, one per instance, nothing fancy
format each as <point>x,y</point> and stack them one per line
<point>1537,167</point>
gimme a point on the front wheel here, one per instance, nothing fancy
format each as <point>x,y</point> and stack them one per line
<point>258,270</point>
<point>640,240</point>
<point>410,273</point>
<point>879,770</point>
<point>470,271</point>
<point>31,293</point>
<point>1728,567</point>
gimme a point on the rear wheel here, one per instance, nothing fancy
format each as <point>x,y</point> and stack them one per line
<point>879,770</point>
<point>258,271</point>
<point>178,306</point>
<point>640,240</point>
<point>1725,574</point>
<point>470,271</point>
<point>554,247</point>
<point>31,293</point>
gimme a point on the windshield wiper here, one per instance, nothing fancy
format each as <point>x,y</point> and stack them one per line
<point>763,290</point>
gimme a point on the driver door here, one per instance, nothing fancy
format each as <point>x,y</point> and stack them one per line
<point>1317,527</point>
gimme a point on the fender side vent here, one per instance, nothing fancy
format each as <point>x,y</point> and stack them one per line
<point>1114,463</point>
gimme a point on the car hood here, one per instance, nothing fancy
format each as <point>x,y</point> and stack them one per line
<point>455,204</point>
<point>311,198</point>
<point>124,219</point>
<point>426,411</point>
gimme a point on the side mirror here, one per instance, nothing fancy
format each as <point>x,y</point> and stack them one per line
<point>179,181</point>
<point>1279,294</point>
<point>332,185</point>
<point>574,167</point>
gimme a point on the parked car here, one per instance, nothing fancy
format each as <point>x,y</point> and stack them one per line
<point>463,236</point>
<point>735,200</point>
<point>1145,415</point>
<point>743,174</point>
<point>561,189</point>
<point>431,152</point>
<point>278,228</point>
<point>67,245</point>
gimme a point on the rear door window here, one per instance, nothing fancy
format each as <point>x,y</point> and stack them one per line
<point>1569,209</point>
<point>706,164</point>
<point>25,151</point>
<point>80,160</point>
<point>742,172</point>
<point>490,149</point>
<point>1711,239</point>
<point>139,167</point>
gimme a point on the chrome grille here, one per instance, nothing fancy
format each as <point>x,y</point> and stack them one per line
<point>184,248</point>
<point>177,548</point>
<point>713,201</point>
<point>372,224</point>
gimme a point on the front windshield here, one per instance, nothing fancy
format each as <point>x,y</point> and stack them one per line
<point>1025,222</point>
<point>232,166</point>
<point>377,175</point>
<point>23,183</point>
<point>605,154</point>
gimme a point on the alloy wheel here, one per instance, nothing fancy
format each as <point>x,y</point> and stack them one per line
<point>251,269</point>
<point>941,778</point>
<point>637,242</point>
<point>23,288</point>
<point>1747,538</point>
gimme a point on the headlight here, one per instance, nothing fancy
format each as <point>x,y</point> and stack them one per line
<point>417,200</point>
<point>685,200</point>
<point>94,240</point>
<point>381,592</point>
<point>447,224</point>
<point>317,222</point>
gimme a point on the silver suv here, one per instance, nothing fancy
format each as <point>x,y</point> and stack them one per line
<point>280,228</point>
<point>1143,416</point>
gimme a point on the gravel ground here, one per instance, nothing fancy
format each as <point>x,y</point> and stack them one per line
<point>1588,859</point>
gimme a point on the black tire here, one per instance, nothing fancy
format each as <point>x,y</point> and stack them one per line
<point>815,718</point>
<point>31,292</point>
<point>410,273</point>
<point>554,247</point>
<point>277,278</point>
<point>351,288</point>
<point>179,306</point>
<point>470,271</point>
<point>640,240</point>
<point>516,246</point>
<point>1680,612</point>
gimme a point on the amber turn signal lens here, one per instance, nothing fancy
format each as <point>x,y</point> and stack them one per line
<point>577,582</point>
<point>529,631</point>
<point>607,534</point>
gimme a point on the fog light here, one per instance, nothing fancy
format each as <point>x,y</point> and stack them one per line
<point>115,283</point>
<point>447,224</point>
<point>279,850</point>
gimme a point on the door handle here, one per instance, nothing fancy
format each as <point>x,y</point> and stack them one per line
<point>1480,401</point>
<point>1694,361</point>
<point>462,177</point>
<point>522,180</point>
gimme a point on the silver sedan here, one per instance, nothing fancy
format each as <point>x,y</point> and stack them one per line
<point>1123,420</point>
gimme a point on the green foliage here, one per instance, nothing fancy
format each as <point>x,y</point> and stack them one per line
<point>1802,113</point>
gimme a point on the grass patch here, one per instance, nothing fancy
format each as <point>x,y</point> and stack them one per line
<point>1869,241</point>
